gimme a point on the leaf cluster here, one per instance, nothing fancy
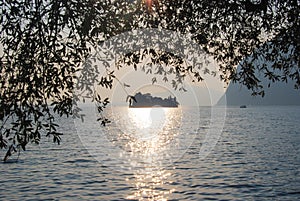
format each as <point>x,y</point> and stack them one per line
<point>46,51</point>
<point>264,32</point>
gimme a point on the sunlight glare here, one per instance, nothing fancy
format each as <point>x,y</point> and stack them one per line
<point>147,117</point>
<point>148,3</point>
<point>140,117</point>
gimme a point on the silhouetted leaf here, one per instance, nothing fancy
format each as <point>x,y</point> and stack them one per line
<point>47,53</point>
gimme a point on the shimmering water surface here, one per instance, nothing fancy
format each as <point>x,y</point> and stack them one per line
<point>256,158</point>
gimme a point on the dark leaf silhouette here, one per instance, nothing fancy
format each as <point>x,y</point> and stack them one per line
<point>46,53</point>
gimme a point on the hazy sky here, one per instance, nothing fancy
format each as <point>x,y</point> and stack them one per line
<point>205,93</point>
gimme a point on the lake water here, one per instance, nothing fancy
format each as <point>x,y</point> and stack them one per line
<point>182,154</point>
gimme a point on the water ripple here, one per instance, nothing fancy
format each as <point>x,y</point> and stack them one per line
<point>257,158</point>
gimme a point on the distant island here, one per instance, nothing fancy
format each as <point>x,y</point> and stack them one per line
<point>147,100</point>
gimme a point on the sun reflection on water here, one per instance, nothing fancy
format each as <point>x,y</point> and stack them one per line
<point>154,135</point>
<point>151,184</point>
<point>143,135</point>
<point>140,117</point>
<point>145,142</point>
<point>151,131</point>
<point>148,121</point>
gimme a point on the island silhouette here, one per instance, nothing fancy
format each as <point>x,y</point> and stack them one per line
<point>147,100</point>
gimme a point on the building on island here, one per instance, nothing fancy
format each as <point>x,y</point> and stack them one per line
<point>147,100</point>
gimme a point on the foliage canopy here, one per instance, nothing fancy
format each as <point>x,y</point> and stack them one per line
<point>46,45</point>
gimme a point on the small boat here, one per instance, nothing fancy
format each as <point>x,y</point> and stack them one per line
<point>243,106</point>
